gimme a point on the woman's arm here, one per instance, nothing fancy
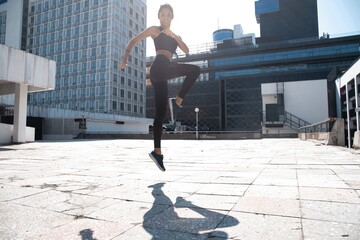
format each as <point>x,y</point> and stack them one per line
<point>151,31</point>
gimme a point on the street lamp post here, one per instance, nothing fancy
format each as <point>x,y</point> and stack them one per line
<point>197,122</point>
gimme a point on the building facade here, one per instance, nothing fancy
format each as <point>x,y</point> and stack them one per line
<point>286,19</point>
<point>231,100</point>
<point>288,50</point>
<point>87,39</point>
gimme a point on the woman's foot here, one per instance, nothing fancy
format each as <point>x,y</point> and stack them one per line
<point>158,160</point>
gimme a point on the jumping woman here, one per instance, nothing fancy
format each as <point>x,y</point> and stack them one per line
<point>162,69</point>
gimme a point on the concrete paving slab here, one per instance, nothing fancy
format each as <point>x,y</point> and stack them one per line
<point>85,229</point>
<point>258,226</point>
<point>21,222</point>
<point>141,233</point>
<point>329,194</point>
<point>233,189</point>
<point>270,206</point>
<point>272,191</point>
<point>8,192</point>
<point>331,211</point>
<point>223,189</point>
<point>325,230</point>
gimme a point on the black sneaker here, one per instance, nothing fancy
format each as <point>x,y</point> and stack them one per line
<point>158,160</point>
<point>174,109</point>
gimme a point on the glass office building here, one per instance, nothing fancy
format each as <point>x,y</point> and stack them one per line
<point>87,39</point>
<point>231,100</point>
<point>286,19</point>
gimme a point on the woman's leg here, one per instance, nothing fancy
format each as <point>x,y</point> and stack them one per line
<point>191,73</point>
<point>161,95</point>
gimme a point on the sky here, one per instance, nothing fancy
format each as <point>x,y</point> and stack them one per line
<point>196,20</point>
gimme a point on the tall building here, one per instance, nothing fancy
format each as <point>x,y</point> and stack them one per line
<point>87,39</point>
<point>286,19</point>
<point>13,21</point>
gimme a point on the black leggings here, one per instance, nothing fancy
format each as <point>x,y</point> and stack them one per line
<point>161,71</point>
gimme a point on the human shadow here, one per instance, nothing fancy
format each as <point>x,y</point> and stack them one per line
<point>87,234</point>
<point>172,226</point>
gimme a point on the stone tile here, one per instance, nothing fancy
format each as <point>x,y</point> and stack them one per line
<point>44,199</point>
<point>208,201</point>
<point>223,189</point>
<point>129,212</point>
<point>269,206</point>
<point>81,205</point>
<point>140,233</point>
<point>284,173</point>
<point>258,226</point>
<point>325,230</point>
<point>85,229</point>
<point>272,192</point>
<point>330,211</point>
<point>20,222</point>
<point>329,195</point>
<point>275,181</point>
<point>114,181</point>
<point>233,180</point>
<point>8,192</point>
<point>325,181</point>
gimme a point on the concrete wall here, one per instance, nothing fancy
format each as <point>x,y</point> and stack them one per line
<point>307,100</point>
<point>336,135</point>
<point>19,67</point>
<point>7,132</point>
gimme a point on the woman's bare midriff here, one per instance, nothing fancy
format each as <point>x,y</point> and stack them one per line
<point>165,53</point>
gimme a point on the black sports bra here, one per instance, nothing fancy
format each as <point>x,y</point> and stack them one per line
<point>165,42</point>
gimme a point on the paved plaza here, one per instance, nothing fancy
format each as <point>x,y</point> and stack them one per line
<point>212,189</point>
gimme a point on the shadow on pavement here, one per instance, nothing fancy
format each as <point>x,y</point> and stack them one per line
<point>87,234</point>
<point>168,224</point>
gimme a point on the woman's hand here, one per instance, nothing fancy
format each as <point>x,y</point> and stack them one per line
<point>169,33</point>
<point>122,64</point>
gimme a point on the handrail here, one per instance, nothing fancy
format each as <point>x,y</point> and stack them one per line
<point>6,110</point>
<point>288,119</point>
<point>323,126</point>
<point>293,121</point>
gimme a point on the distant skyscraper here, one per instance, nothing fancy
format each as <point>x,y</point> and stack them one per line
<point>87,39</point>
<point>286,19</point>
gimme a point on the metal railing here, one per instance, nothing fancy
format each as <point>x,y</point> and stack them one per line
<point>323,126</point>
<point>293,121</point>
<point>6,110</point>
<point>288,119</point>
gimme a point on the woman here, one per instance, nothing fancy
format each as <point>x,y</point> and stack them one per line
<point>161,71</point>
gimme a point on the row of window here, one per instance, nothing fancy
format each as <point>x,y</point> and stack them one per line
<point>72,94</point>
<point>284,55</point>
<point>130,95</point>
<point>2,27</point>
<point>2,17</point>
<point>70,18</point>
<point>44,5</point>
<point>120,106</point>
<point>95,106</point>
<point>130,82</point>
<point>69,30</point>
<point>97,78</point>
